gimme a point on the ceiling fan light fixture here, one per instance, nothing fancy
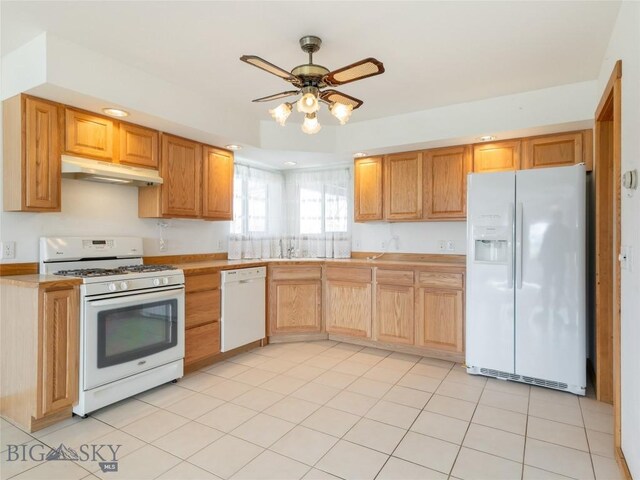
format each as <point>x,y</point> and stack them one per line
<point>281,113</point>
<point>308,103</point>
<point>311,125</point>
<point>341,111</point>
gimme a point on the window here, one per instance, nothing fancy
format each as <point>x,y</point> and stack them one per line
<point>257,201</point>
<point>323,210</point>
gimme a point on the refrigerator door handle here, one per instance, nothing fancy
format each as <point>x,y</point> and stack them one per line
<point>512,221</point>
<point>519,244</point>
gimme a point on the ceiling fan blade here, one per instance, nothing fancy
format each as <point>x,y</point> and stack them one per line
<point>356,71</point>
<point>335,96</point>
<point>277,96</point>
<point>270,67</point>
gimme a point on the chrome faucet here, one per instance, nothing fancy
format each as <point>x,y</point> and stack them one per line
<point>290,251</point>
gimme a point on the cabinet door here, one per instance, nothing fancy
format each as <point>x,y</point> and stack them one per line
<point>445,182</point>
<point>180,168</point>
<point>403,186</point>
<point>138,146</point>
<point>553,150</point>
<point>348,308</point>
<point>440,319</point>
<point>296,307</point>
<point>394,314</point>
<point>496,157</point>
<point>217,184</point>
<point>59,344</point>
<point>41,174</point>
<point>88,135</point>
<point>201,342</point>
<point>201,307</point>
<point>368,189</point>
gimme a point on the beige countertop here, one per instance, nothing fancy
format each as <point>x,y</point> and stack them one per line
<point>36,280</point>
<point>212,265</point>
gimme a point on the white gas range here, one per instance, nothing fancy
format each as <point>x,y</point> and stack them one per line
<point>131,316</point>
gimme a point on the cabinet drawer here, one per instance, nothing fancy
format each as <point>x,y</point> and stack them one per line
<point>201,342</point>
<point>394,277</point>
<point>440,279</point>
<point>202,307</point>
<point>349,274</point>
<point>200,282</point>
<point>296,273</point>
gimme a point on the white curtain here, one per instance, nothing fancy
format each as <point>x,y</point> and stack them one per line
<point>258,207</point>
<point>319,212</point>
<point>298,214</point>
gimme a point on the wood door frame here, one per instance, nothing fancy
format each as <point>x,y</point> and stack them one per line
<point>608,120</point>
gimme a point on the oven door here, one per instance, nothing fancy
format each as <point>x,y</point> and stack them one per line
<point>125,334</point>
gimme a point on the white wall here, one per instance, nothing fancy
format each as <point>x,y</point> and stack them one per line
<point>413,237</point>
<point>90,208</point>
<point>625,45</point>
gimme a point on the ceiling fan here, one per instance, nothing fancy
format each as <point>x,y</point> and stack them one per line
<point>313,82</point>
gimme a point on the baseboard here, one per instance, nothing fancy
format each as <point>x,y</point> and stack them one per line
<point>622,463</point>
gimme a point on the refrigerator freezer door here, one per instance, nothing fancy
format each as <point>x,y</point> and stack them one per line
<point>490,292</point>
<point>550,274</point>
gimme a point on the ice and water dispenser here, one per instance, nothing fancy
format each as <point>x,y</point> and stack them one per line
<point>491,244</point>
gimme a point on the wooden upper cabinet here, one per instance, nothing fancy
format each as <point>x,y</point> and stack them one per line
<point>180,169</point>
<point>496,157</point>
<point>217,184</point>
<point>445,183</point>
<point>368,189</point>
<point>403,186</point>
<point>138,146</point>
<point>31,155</point>
<point>556,150</point>
<point>59,341</point>
<point>88,135</point>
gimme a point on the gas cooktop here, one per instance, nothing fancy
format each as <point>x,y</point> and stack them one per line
<point>105,272</point>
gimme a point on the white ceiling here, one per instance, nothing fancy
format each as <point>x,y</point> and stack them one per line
<point>435,53</point>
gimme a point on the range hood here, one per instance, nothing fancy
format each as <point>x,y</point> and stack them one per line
<point>105,172</point>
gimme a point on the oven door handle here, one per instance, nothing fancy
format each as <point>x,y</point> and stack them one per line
<point>134,297</point>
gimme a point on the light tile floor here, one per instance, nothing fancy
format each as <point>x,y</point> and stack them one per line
<point>326,410</point>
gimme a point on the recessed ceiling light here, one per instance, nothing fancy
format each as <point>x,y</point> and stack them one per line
<point>115,112</point>
<point>290,164</point>
<point>233,146</point>
<point>487,138</point>
<point>359,154</point>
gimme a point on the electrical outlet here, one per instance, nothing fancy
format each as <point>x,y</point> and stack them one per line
<point>220,245</point>
<point>8,250</point>
<point>450,246</point>
<point>383,245</point>
<point>396,241</point>
<point>356,244</point>
<point>442,244</point>
<point>164,244</point>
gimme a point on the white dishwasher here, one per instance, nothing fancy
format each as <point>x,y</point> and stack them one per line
<point>243,307</point>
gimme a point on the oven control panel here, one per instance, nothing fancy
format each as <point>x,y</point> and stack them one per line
<point>133,285</point>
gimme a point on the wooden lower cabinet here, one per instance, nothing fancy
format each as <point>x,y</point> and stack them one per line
<point>296,306</point>
<point>348,300</point>
<point>394,317</point>
<point>60,317</point>
<point>202,317</point>
<point>39,353</point>
<point>201,342</point>
<point>295,299</point>
<point>440,319</point>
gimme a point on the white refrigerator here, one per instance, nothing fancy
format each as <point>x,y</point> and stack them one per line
<point>525,303</point>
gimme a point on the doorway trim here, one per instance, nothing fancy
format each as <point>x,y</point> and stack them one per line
<point>607,168</point>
